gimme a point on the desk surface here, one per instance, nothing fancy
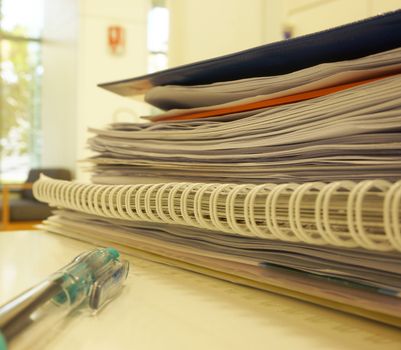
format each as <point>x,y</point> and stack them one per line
<point>167,308</point>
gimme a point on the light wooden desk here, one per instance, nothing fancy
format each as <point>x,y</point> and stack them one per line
<point>167,308</point>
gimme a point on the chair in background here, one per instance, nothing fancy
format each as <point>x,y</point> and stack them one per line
<point>24,212</point>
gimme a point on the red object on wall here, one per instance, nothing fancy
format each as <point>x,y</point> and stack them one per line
<point>116,39</point>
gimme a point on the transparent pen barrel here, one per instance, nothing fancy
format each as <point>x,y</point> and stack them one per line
<point>28,318</point>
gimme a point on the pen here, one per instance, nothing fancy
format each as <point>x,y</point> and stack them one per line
<point>92,279</point>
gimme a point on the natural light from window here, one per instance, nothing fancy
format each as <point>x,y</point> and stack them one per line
<point>158,33</point>
<point>27,14</point>
<point>20,72</point>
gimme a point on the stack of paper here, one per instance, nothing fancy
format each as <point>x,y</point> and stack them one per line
<point>276,167</point>
<point>353,134</point>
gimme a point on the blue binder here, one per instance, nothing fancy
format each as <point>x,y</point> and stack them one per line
<point>346,42</point>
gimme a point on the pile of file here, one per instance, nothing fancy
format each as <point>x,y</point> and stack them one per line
<point>276,167</point>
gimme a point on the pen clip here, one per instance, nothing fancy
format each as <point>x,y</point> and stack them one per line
<point>109,284</point>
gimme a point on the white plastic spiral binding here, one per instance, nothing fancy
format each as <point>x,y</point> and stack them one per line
<point>342,213</point>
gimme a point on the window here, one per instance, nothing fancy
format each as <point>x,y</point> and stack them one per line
<point>158,31</point>
<point>20,82</point>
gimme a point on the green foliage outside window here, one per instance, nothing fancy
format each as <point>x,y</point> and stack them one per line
<point>20,79</point>
<point>19,82</point>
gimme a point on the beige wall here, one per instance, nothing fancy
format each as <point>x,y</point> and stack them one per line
<point>308,16</point>
<point>97,107</point>
<point>209,28</point>
<point>76,58</point>
<point>59,84</point>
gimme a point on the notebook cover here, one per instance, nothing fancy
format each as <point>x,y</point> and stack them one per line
<point>346,42</point>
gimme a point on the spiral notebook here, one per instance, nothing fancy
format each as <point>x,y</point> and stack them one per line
<point>310,238</point>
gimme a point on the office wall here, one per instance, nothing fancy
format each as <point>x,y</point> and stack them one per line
<point>209,28</point>
<point>97,107</point>
<point>308,16</point>
<point>76,58</point>
<point>59,83</point>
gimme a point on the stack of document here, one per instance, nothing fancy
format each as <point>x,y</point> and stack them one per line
<point>277,167</point>
<point>349,135</point>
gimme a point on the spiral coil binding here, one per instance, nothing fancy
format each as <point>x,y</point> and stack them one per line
<point>343,213</point>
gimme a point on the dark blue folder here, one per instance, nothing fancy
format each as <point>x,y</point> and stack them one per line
<point>346,42</point>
